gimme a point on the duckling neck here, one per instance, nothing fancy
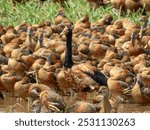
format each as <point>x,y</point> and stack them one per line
<point>29,39</point>
<point>68,56</point>
<point>40,40</point>
<point>132,41</point>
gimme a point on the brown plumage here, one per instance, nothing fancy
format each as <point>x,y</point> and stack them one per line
<point>46,74</point>
<point>140,93</point>
<point>118,4</point>
<point>95,3</point>
<point>21,88</point>
<point>78,77</point>
<point>132,5</point>
<point>8,80</point>
<point>52,101</point>
<point>81,107</point>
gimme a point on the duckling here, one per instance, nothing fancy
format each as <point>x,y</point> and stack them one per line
<point>39,42</point>
<point>83,22</point>
<point>133,47</point>
<point>140,93</point>
<point>9,79</point>
<point>106,19</point>
<point>60,17</point>
<point>14,44</point>
<point>78,77</point>
<point>46,75</point>
<point>132,5</point>
<point>9,35</point>
<point>81,107</point>
<point>52,101</point>
<point>118,88</point>
<point>21,88</point>
<point>28,59</point>
<point>97,50</point>
<point>29,42</point>
<point>141,66</point>
<point>95,3</point>
<point>102,100</point>
<point>35,89</point>
<point>17,66</point>
<point>39,63</point>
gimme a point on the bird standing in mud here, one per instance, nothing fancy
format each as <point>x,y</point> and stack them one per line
<point>80,77</point>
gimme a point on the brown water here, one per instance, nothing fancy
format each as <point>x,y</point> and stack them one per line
<point>10,104</point>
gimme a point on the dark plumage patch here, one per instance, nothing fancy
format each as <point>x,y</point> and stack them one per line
<point>32,78</point>
<point>1,96</point>
<point>98,77</point>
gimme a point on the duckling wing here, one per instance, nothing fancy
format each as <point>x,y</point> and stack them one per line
<point>97,76</point>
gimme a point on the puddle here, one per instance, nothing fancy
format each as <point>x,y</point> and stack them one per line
<point>10,104</point>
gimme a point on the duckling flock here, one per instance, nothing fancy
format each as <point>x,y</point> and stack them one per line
<point>109,59</point>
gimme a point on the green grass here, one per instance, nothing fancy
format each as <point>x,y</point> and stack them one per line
<point>34,12</point>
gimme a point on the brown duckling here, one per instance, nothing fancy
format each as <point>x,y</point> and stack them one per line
<point>52,101</point>
<point>35,90</point>
<point>83,22</point>
<point>132,5</point>
<point>60,17</point>
<point>30,42</point>
<point>9,79</point>
<point>106,19</point>
<point>97,50</point>
<point>95,3</point>
<point>46,75</point>
<point>140,93</point>
<point>9,35</point>
<point>39,42</point>
<point>39,63</point>
<point>118,88</point>
<point>81,107</point>
<point>133,47</point>
<point>14,44</point>
<point>102,101</point>
<point>17,66</point>
<point>21,88</point>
